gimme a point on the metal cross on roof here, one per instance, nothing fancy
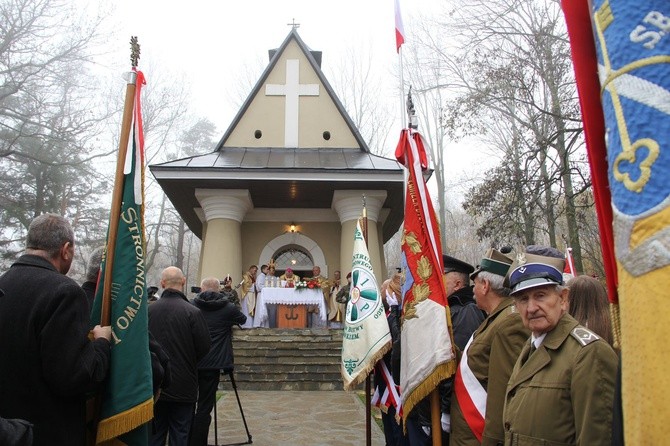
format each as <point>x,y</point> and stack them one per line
<point>293,24</point>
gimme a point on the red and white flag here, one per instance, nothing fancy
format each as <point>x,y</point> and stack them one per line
<point>387,392</point>
<point>427,346</point>
<point>399,29</point>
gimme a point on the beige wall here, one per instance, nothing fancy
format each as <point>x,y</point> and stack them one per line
<point>316,113</point>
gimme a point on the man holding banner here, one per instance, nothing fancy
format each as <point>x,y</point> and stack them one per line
<point>48,362</point>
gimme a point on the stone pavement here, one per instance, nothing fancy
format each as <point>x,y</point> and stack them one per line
<point>294,418</point>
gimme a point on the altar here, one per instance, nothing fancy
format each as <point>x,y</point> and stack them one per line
<point>289,297</point>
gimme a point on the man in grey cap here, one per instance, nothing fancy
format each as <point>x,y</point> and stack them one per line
<point>561,389</point>
<point>487,360</point>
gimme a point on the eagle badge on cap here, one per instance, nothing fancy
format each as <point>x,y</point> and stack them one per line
<point>521,258</point>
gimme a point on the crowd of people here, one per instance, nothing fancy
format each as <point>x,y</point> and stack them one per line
<point>536,365</point>
<point>254,280</point>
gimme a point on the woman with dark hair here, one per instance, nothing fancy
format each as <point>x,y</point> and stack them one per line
<point>589,305</point>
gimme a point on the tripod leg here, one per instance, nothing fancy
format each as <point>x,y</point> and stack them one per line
<point>239,404</point>
<point>216,424</point>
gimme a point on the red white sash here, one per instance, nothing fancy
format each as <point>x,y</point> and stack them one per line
<point>391,394</point>
<point>470,394</point>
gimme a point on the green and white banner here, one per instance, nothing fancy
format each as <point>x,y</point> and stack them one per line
<point>366,335</point>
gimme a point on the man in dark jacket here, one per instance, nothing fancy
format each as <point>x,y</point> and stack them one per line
<point>221,315</point>
<point>48,362</point>
<point>181,330</point>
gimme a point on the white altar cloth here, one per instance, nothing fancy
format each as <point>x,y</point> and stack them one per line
<point>287,296</point>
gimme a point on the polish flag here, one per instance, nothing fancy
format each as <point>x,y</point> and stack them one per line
<point>399,29</point>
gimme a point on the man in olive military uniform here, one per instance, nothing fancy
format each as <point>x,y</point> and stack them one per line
<point>488,359</point>
<point>562,387</point>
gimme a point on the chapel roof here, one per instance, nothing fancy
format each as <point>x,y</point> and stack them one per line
<point>277,175</point>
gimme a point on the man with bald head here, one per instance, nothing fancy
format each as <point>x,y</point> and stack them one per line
<point>181,330</point>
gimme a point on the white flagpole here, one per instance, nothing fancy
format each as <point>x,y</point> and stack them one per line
<point>403,109</point>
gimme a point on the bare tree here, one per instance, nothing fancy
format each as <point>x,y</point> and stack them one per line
<point>359,89</point>
<point>50,121</point>
<point>508,64</point>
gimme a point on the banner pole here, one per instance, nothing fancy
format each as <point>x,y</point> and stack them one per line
<point>368,386</point>
<point>436,425</point>
<point>117,199</point>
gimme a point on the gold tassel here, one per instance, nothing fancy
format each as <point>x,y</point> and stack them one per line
<point>441,372</point>
<point>123,422</point>
<point>615,316</point>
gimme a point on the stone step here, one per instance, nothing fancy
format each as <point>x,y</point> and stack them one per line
<point>287,359</point>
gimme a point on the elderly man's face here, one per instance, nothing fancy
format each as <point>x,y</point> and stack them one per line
<point>479,290</point>
<point>541,308</point>
<point>452,282</point>
<point>316,271</point>
<point>289,273</point>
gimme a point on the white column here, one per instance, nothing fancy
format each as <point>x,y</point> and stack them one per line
<point>224,211</point>
<point>349,206</point>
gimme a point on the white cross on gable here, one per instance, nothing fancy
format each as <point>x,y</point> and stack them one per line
<point>293,89</point>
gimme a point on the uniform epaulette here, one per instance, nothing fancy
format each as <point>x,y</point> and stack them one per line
<point>584,336</point>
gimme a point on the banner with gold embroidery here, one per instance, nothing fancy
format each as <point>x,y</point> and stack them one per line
<point>632,53</point>
<point>427,347</point>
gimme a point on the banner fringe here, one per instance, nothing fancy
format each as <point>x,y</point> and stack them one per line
<point>615,317</point>
<point>125,421</point>
<point>366,371</point>
<point>441,372</point>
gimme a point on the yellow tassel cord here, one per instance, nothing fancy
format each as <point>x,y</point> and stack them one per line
<point>125,421</point>
<point>615,317</point>
<point>368,368</point>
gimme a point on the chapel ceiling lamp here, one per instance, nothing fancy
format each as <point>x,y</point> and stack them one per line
<point>293,228</point>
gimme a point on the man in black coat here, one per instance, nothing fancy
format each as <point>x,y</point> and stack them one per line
<point>48,362</point>
<point>181,330</point>
<point>221,315</point>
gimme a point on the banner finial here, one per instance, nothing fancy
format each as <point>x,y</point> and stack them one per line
<point>134,51</point>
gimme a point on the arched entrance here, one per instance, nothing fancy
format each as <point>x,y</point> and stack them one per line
<point>297,247</point>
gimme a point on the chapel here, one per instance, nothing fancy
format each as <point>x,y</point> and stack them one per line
<point>286,181</point>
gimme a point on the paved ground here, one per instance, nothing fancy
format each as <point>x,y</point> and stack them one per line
<point>300,418</point>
